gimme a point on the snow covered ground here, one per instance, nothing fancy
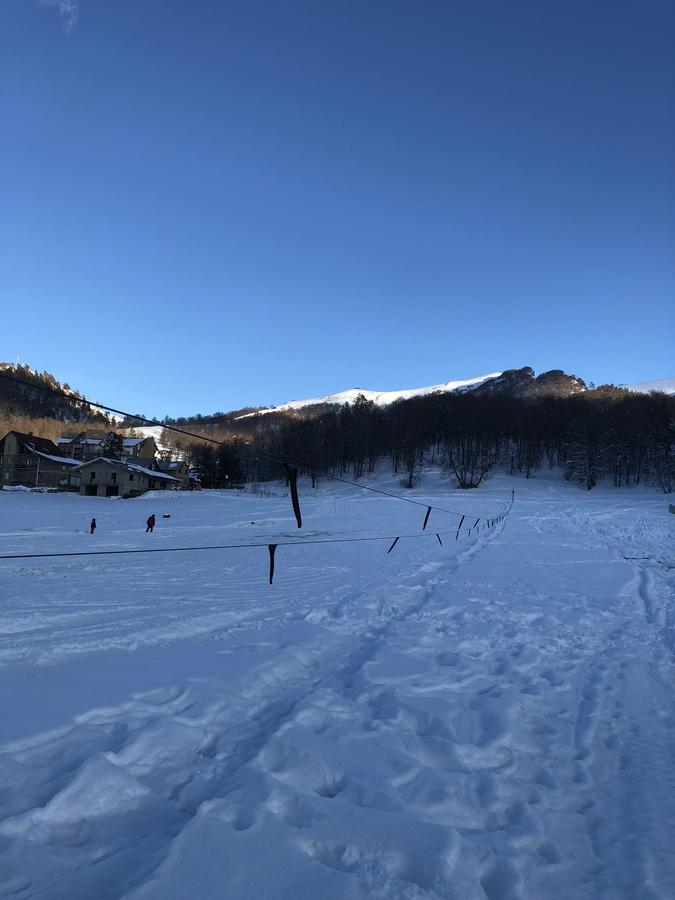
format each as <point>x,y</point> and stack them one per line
<point>490,718</point>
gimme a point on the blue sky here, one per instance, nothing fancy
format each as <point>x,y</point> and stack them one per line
<point>214,204</point>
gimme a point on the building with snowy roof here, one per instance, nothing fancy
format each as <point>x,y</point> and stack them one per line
<point>179,469</point>
<point>90,444</point>
<point>26,459</point>
<point>103,477</point>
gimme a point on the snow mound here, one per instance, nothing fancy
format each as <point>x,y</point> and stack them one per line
<point>99,790</point>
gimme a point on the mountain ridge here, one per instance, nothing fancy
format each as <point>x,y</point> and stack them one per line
<point>521,382</point>
<point>379,398</point>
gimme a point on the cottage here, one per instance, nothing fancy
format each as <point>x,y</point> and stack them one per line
<point>139,448</point>
<point>179,469</point>
<point>35,462</point>
<point>103,477</point>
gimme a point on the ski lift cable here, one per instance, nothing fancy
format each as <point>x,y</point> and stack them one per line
<point>265,543</point>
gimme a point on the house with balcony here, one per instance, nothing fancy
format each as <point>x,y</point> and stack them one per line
<point>139,448</point>
<point>32,461</point>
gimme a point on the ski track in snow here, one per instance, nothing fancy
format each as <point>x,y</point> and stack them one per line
<point>493,718</point>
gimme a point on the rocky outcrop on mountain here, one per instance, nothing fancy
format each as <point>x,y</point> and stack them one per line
<point>523,383</point>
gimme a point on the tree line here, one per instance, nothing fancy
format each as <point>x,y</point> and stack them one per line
<point>605,433</point>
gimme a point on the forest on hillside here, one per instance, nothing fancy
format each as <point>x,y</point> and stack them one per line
<point>605,433</point>
<point>37,402</point>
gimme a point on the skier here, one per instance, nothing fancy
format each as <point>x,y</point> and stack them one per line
<point>92,526</point>
<point>150,523</point>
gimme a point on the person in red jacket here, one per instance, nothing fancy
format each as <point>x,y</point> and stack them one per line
<point>150,523</point>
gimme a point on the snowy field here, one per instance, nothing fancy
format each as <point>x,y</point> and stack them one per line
<point>493,718</point>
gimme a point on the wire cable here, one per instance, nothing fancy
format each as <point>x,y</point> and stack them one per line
<point>265,543</point>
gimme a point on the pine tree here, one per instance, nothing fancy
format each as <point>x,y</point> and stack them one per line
<point>112,446</point>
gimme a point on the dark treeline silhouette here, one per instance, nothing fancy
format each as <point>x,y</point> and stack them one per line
<point>604,433</point>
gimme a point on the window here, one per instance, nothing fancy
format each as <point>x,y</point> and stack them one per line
<point>131,478</point>
<point>113,477</point>
<point>92,476</point>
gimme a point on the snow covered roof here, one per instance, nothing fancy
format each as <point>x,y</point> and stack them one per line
<point>144,471</point>
<point>64,460</point>
<point>128,442</point>
<point>171,465</point>
<point>31,441</point>
<point>153,431</point>
<point>130,467</point>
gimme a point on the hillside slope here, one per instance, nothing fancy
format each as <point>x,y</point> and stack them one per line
<point>36,400</point>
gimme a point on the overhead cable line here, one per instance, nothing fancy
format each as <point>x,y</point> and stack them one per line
<point>119,412</point>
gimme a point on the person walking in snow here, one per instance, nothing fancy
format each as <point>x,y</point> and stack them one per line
<point>150,523</point>
<point>92,526</point>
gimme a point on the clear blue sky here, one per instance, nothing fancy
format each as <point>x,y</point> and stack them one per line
<point>213,204</point>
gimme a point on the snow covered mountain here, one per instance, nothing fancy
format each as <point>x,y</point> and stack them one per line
<point>380,398</point>
<point>517,382</point>
<point>665,385</point>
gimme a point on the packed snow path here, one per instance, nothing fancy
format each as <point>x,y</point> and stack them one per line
<point>491,718</point>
